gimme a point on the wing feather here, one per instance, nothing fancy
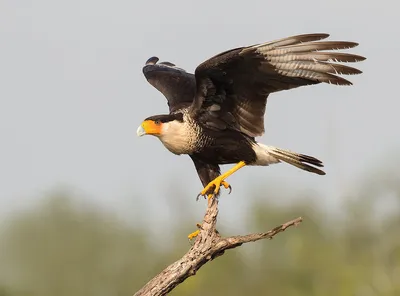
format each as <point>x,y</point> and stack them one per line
<point>178,86</point>
<point>241,79</point>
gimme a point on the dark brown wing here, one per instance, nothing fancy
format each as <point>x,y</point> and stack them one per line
<point>178,86</point>
<point>235,84</point>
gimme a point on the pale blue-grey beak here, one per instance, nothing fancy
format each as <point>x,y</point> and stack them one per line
<point>140,131</point>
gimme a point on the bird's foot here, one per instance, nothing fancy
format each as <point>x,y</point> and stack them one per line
<point>195,233</point>
<point>227,186</point>
<point>216,183</point>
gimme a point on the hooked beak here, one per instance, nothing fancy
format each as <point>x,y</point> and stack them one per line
<point>140,131</point>
<point>149,127</point>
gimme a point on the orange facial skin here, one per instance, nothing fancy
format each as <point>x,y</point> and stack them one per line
<point>149,127</point>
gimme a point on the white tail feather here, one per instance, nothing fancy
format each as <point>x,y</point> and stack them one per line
<point>267,155</point>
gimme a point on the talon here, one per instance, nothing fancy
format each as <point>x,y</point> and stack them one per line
<point>198,196</point>
<point>217,183</point>
<point>227,186</point>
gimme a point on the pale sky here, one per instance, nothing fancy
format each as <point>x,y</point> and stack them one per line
<point>73,95</point>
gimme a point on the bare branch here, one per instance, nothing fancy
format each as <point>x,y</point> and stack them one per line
<point>208,245</point>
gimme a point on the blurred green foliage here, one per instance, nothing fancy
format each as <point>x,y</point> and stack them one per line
<point>62,248</point>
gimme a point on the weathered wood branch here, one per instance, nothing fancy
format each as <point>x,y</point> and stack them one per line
<point>207,246</point>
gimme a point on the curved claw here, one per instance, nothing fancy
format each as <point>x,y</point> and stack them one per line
<point>227,186</point>
<point>198,196</point>
<point>217,182</point>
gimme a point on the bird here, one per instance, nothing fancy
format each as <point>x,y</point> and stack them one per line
<point>216,113</point>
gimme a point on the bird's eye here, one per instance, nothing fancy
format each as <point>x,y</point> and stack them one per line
<point>157,122</point>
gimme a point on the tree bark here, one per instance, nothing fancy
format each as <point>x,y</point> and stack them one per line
<point>207,246</point>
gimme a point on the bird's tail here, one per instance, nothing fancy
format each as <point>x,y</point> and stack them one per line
<point>301,161</point>
<point>269,155</point>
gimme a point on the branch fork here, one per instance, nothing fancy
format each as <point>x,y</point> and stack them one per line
<point>208,245</point>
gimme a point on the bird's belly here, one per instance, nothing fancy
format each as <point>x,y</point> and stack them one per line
<point>227,152</point>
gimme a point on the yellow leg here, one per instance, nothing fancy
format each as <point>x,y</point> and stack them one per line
<point>220,180</point>
<point>194,234</point>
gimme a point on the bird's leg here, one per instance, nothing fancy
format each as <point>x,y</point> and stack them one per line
<point>195,233</point>
<point>220,180</point>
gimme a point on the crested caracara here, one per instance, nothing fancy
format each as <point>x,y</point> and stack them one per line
<point>216,113</point>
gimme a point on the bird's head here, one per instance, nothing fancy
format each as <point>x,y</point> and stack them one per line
<point>160,125</point>
<point>170,129</point>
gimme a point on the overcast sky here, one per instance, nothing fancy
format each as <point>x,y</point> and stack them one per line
<point>73,94</point>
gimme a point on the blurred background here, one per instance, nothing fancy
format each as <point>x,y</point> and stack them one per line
<point>87,208</point>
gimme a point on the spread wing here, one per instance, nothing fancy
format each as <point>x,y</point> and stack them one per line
<point>178,86</point>
<point>232,87</point>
